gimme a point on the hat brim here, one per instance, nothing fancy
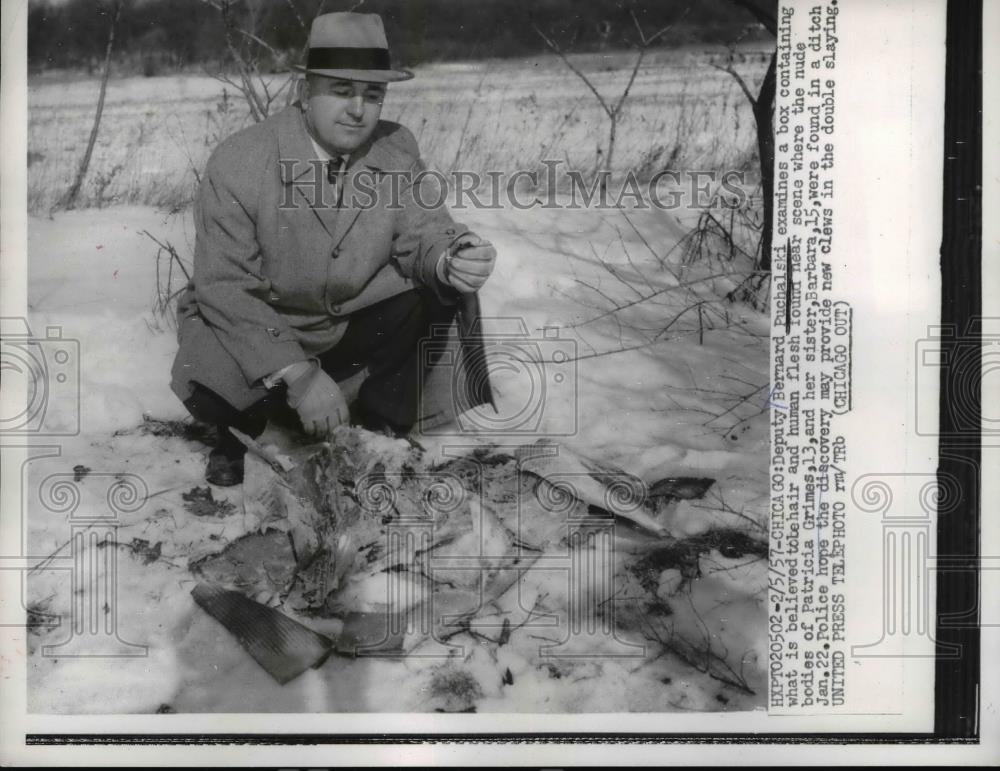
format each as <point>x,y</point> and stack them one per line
<point>366,76</point>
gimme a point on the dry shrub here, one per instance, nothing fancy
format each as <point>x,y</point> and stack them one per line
<point>506,115</point>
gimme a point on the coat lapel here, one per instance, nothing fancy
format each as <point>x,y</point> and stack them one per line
<point>371,158</point>
<point>344,217</point>
<point>304,171</point>
<point>302,167</point>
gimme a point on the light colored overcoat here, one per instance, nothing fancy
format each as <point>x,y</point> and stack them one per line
<point>279,266</point>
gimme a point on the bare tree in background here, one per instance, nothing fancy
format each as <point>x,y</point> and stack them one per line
<point>248,51</point>
<point>763,113</point>
<point>69,200</point>
<point>613,109</point>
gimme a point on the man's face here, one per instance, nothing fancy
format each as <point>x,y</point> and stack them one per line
<point>342,114</point>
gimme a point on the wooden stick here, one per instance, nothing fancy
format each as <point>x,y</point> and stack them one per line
<point>278,462</point>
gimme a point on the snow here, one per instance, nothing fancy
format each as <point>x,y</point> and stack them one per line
<point>657,410</point>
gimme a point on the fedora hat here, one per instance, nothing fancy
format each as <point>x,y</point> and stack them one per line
<point>351,46</point>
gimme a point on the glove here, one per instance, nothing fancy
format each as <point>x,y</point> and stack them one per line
<point>468,263</point>
<point>316,397</point>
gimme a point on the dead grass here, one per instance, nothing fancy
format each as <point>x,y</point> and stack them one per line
<point>158,132</point>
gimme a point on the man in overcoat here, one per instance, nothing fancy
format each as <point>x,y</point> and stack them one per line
<point>322,252</point>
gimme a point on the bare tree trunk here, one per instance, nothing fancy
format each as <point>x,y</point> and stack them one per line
<point>763,107</point>
<point>70,198</point>
<point>764,116</point>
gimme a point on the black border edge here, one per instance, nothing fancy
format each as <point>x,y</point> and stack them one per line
<point>957,678</point>
<point>491,738</point>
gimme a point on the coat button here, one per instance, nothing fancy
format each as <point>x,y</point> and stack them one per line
<point>274,332</point>
<point>335,309</point>
<point>335,253</point>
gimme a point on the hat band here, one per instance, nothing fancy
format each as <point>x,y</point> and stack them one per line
<point>348,59</point>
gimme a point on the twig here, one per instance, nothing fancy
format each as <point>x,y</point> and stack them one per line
<point>742,83</point>
<point>169,248</point>
<point>70,198</point>
<point>275,460</point>
<point>468,118</point>
<point>645,298</point>
<point>586,81</point>
<point>613,111</point>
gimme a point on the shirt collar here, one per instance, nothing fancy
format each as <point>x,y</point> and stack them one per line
<point>322,154</point>
<point>295,142</point>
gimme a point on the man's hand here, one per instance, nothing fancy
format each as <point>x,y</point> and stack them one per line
<point>316,397</point>
<point>468,263</point>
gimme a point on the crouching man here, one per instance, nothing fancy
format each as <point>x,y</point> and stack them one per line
<point>318,256</point>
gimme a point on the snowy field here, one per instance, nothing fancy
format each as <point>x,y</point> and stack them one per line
<point>158,132</point>
<point>674,385</point>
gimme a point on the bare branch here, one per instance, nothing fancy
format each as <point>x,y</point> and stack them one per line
<point>742,83</point>
<point>662,260</point>
<point>169,248</point>
<point>69,199</point>
<point>558,51</point>
<point>657,293</point>
<point>677,317</point>
<point>727,509</point>
<point>631,80</point>
<point>271,50</point>
<point>631,262</point>
<point>648,41</point>
<point>636,347</point>
<point>596,290</point>
<point>742,400</point>
<point>246,68</point>
<point>468,119</point>
<point>614,271</point>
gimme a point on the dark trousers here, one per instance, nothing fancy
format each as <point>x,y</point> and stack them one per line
<point>386,338</point>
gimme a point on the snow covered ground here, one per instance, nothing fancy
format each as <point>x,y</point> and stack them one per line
<point>688,401</point>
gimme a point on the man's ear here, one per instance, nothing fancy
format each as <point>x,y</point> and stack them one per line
<point>302,90</point>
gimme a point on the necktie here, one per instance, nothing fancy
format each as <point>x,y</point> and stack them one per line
<point>334,175</point>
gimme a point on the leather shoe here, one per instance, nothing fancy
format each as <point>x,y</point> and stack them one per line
<point>222,470</point>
